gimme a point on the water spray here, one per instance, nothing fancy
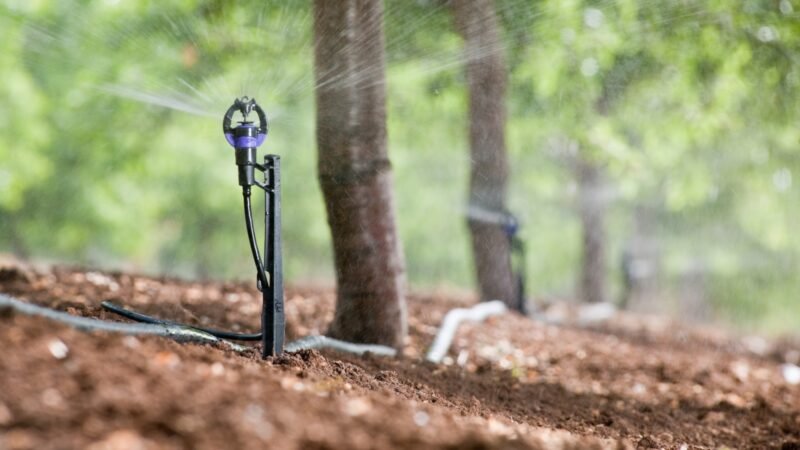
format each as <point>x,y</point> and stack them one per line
<point>245,138</point>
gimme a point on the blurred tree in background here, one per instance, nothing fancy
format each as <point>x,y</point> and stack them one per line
<point>487,78</point>
<point>111,153</point>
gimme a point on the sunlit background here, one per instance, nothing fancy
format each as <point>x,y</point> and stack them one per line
<point>112,155</point>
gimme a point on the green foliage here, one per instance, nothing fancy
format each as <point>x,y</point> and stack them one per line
<point>692,105</point>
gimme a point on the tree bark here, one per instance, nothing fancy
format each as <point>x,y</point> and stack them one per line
<point>354,171</point>
<point>486,75</point>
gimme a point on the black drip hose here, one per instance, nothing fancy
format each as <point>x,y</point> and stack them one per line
<point>139,317</point>
<point>251,237</point>
<point>262,277</point>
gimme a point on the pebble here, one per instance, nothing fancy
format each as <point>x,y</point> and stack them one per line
<point>421,418</point>
<point>98,279</point>
<point>499,428</point>
<point>741,370</point>
<point>58,348</point>
<point>131,342</point>
<point>756,344</point>
<point>357,407</point>
<point>791,373</point>
<point>463,357</point>
<point>217,369</point>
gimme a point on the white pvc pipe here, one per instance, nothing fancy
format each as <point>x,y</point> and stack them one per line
<point>454,318</point>
<point>315,342</point>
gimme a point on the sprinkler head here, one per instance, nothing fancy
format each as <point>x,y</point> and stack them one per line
<point>245,138</point>
<point>246,134</point>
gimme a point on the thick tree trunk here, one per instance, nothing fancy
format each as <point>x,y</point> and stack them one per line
<point>354,171</point>
<point>592,209</point>
<point>486,78</point>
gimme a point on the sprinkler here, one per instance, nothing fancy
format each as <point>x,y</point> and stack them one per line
<point>245,138</point>
<point>511,228</point>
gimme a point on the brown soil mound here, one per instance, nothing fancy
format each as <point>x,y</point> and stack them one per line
<point>512,382</point>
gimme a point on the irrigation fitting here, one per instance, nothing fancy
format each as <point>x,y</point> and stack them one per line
<point>517,245</point>
<point>245,138</point>
<point>510,226</point>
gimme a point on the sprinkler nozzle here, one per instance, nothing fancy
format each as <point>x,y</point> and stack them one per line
<point>246,134</point>
<point>245,105</point>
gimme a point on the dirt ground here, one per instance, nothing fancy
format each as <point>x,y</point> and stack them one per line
<point>511,382</point>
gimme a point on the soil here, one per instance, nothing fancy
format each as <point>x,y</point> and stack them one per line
<point>631,382</point>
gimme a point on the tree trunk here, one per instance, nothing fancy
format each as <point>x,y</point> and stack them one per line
<point>354,171</point>
<point>488,183</point>
<point>592,209</point>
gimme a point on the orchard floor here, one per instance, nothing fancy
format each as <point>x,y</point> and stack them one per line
<point>511,382</point>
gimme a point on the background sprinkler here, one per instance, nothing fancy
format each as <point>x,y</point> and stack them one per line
<point>510,225</point>
<point>245,138</point>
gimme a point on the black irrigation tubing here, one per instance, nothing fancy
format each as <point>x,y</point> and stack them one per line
<point>175,332</point>
<point>139,317</point>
